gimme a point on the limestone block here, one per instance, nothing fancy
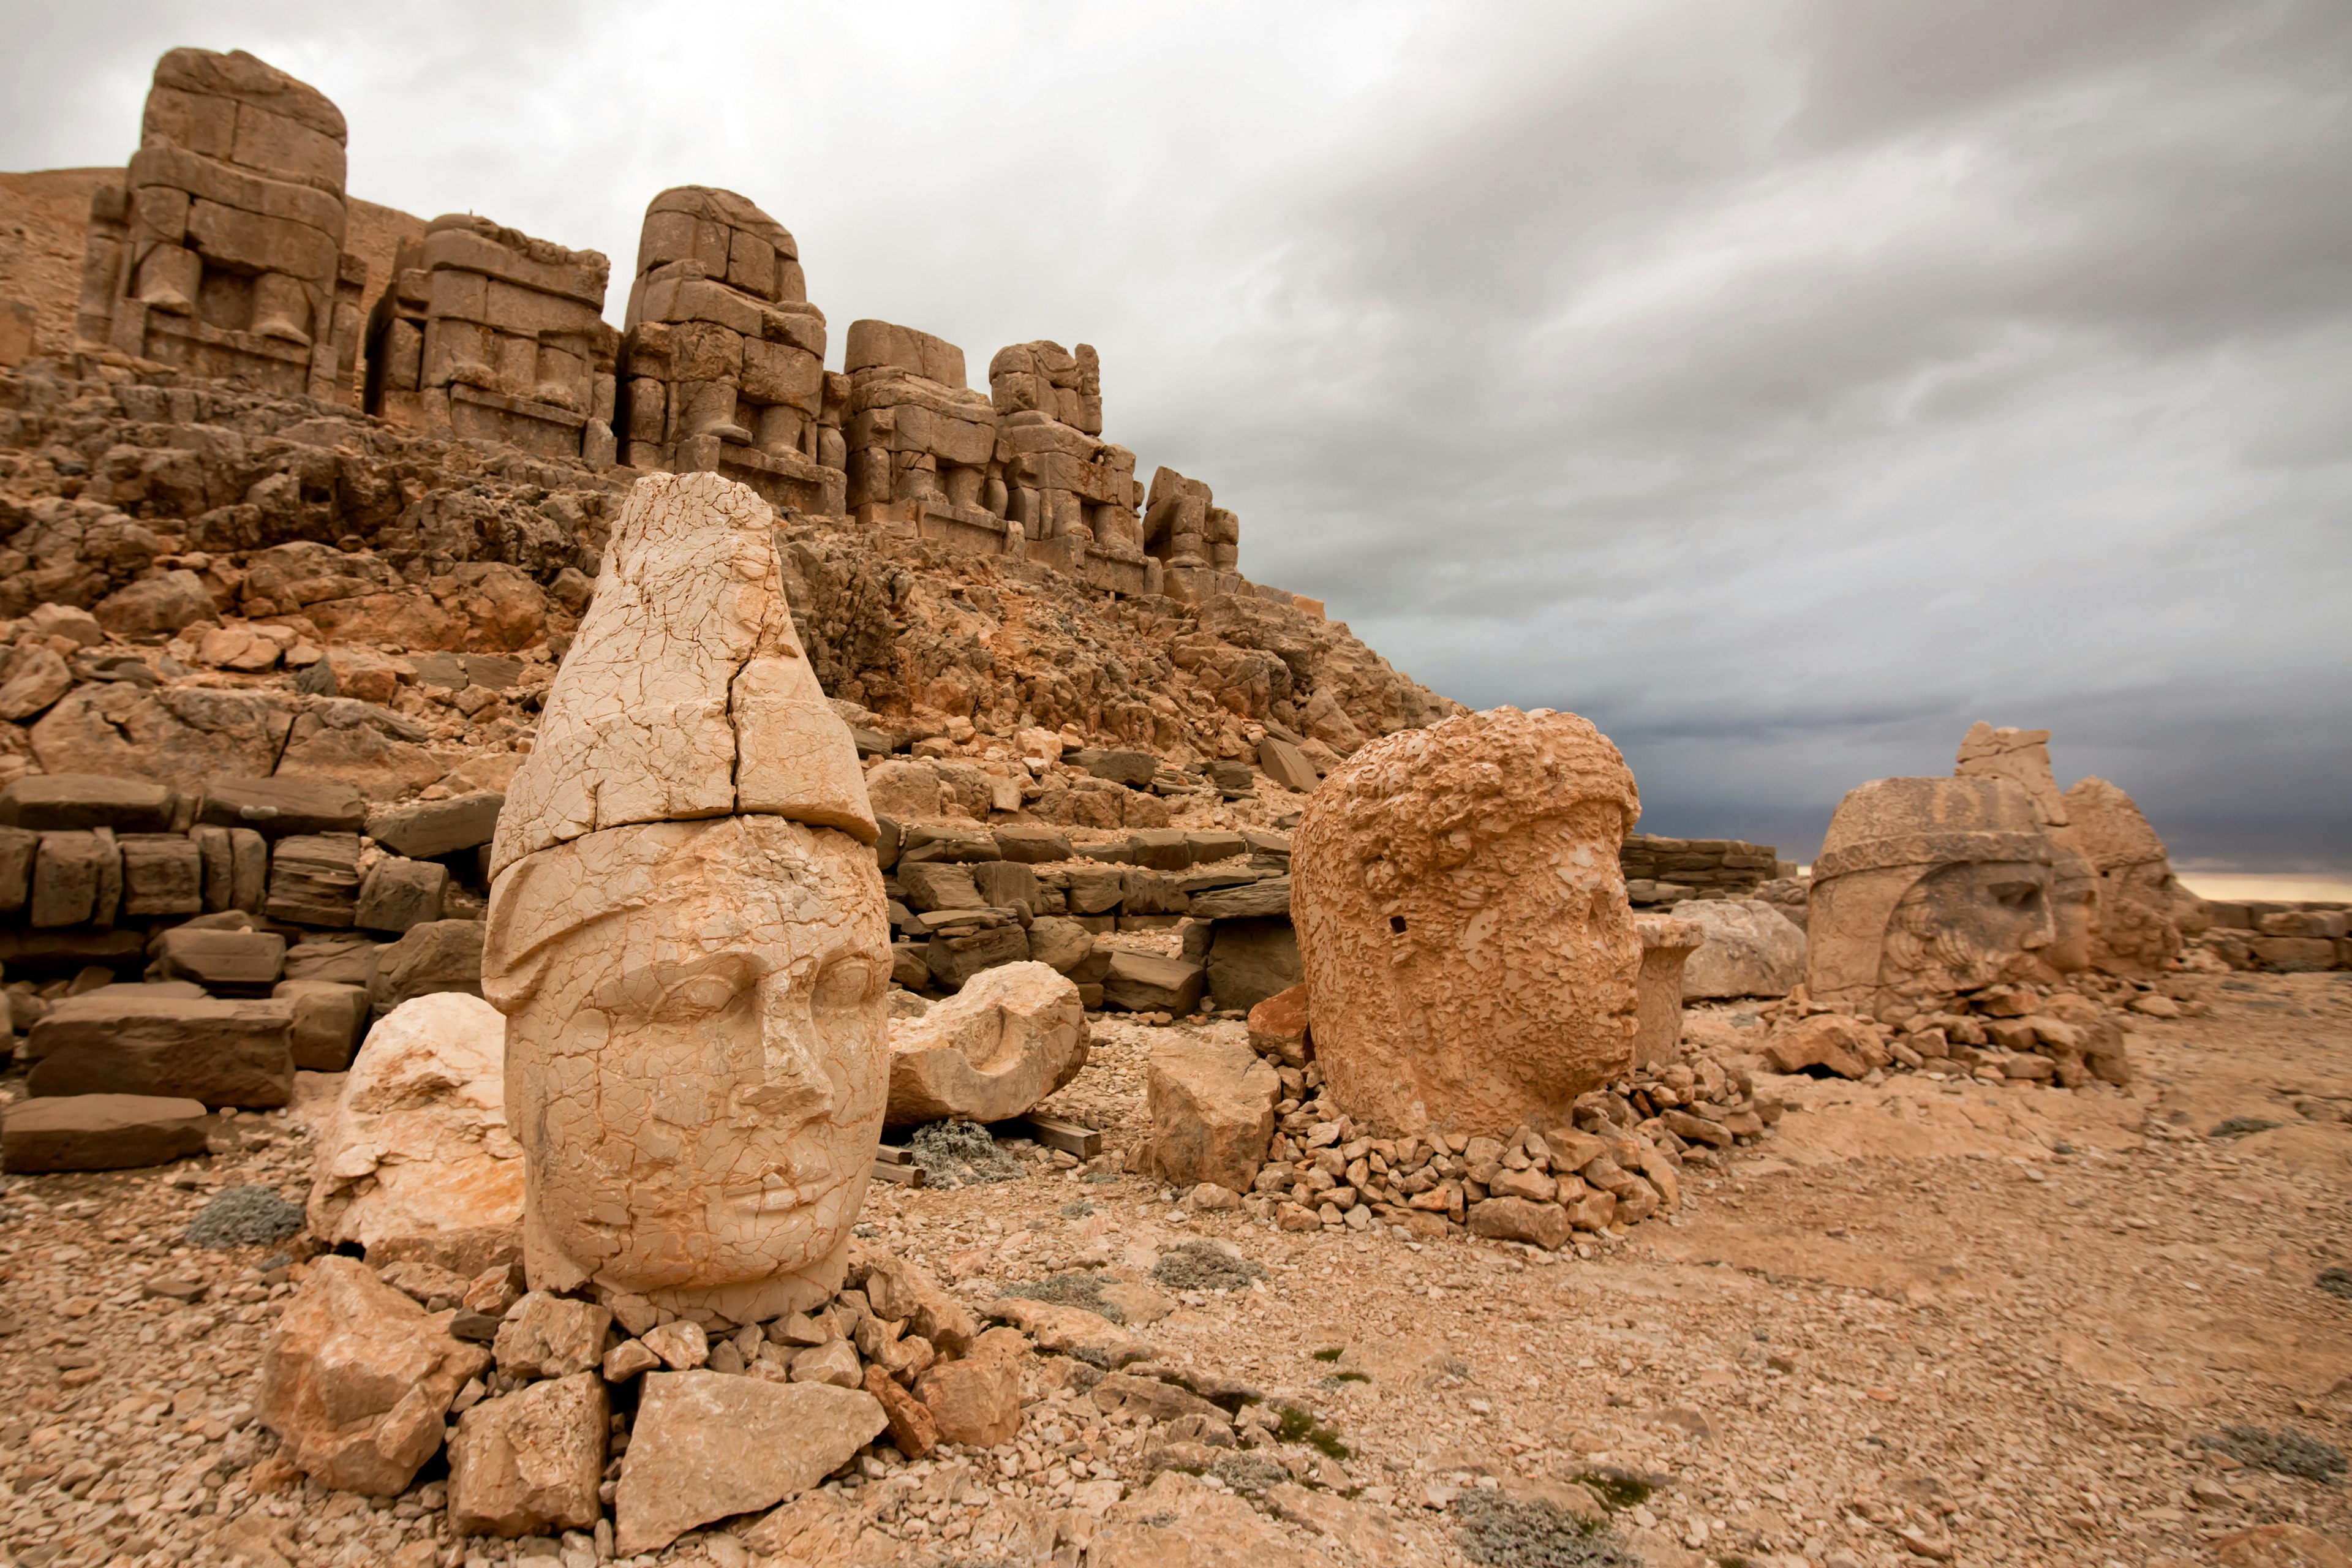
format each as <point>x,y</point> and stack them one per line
<point>686,693</point>
<point>1253,958</point>
<point>880,345</point>
<point>416,1161</point>
<point>1012,1035</point>
<point>1540,1224</point>
<point>432,957</point>
<point>314,879</point>
<point>101,1132</point>
<point>1925,888</point>
<point>1287,766</point>
<point>1752,950</point>
<point>63,802</point>
<point>427,829</point>
<point>277,807</point>
<point>706,1445</point>
<point>529,1463</point>
<point>953,961</point>
<point>1068,948</point>
<point>938,885</point>
<point>977,1400</point>
<point>1667,943</point>
<point>118,1042</point>
<point>156,605</point>
<point>248,859</point>
<point>1139,982</point>
<point>17,849</point>
<point>356,1378</point>
<point>1470,955</point>
<point>551,1336</point>
<point>226,963</point>
<point>68,868</point>
<point>399,894</point>
<point>328,1020</point>
<point>163,874</point>
<point>345,958</point>
<point>1212,1108</point>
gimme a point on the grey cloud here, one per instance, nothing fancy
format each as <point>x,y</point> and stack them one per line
<point>1784,385</point>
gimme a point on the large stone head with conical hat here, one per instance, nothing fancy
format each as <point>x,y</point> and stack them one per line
<point>1927,888</point>
<point>687,934</point>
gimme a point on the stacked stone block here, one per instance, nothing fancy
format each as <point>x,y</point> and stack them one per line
<point>919,441</point>
<point>1073,493</point>
<point>489,333</point>
<point>221,251</point>
<point>722,356</point>
<point>1673,870</point>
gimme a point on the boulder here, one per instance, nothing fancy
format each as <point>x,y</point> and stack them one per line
<point>180,736</point>
<point>1752,950</point>
<point>1067,947</point>
<point>277,807</point>
<point>100,1132</point>
<point>217,1051</point>
<point>398,895</point>
<point>551,1336</point>
<point>427,829</point>
<point>1278,1027</point>
<point>155,606</point>
<point>912,1431</point>
<point>35,676</point>
<point>436,956</point>
<point>52,803</point>
<point>706,1445</point>
<point>977,1400</point>
<point>1538,1222</point>
<point>1844,1046</point>
<point>1141,982</point>
<point>356,1378</point>
<point>1072,1331</point>
<point>904,1292</point>
<point>416,1161</point>
<point>1252,958</point>
<point>1012,1035</point>
<point>225,962</point>
<point>529,1463</point>
<point>1212,1108</point>
<point>327,1021</point>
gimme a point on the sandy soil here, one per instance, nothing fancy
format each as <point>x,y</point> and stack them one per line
<point>1919,1322</point>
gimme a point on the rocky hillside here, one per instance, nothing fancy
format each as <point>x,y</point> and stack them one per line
<point>222,540</point>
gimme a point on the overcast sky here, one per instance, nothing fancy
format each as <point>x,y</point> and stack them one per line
<point>1784,386</point>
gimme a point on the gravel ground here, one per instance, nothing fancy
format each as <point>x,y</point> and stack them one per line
<point>1920,1322</point>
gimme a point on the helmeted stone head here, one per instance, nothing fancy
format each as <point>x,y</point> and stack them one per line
<point>1927,888</point>
<point>687,934</point>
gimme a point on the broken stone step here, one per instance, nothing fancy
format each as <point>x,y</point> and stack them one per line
<point>101,1132</point>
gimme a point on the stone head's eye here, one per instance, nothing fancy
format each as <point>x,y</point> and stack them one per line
<point>697,997</point>
<point>842,984</point>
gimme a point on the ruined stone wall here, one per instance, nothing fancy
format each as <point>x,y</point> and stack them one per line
<point>1677,869</point>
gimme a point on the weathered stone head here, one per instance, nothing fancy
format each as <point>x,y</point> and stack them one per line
<point>1925,888</point>
<point>2139,900</point>
<point>687,933</point>
<point>1470,956</point>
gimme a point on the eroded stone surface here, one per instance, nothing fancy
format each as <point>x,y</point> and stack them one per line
<point>1470,954</point>
<point>1752,950</point>
<point>706,1445</point>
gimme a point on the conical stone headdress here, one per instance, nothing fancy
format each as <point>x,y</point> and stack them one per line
<point>686,694</point>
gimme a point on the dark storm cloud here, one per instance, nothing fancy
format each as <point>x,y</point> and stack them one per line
<point>1784,385</point>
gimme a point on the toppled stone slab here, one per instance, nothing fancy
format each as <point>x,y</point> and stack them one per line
<point>101,1132</point>
<point>226,962</point>
<point>279,807</point>
<point>425,829</point>
<point>1072,1331</point>
<point>1142,983</point>
<point>1013,1035</point>
<point>706,1445</point>
<point>49,803</point>
<point>221,1052</point>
